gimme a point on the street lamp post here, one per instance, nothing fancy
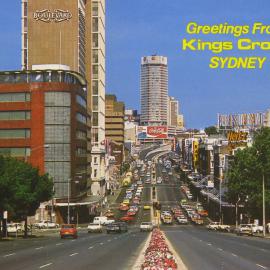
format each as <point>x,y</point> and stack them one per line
<point>68,217</point>
<point>263,190</point>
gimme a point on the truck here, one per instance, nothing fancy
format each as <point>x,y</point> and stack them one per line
<point>103,220</point>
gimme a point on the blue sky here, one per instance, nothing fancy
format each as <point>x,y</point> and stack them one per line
<point>144,27</point>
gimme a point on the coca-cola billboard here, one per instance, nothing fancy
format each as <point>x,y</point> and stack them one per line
<point>157,132</point>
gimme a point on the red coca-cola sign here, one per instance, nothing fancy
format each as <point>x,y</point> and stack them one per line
<point>160,132</point>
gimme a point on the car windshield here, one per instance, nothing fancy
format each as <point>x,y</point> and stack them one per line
<point>68,226</point>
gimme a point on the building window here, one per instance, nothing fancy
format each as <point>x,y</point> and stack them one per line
<point>95,119</point>
<point>57,99</point>
<point>95,87</point>
<point>57,134</point>
<point>57,152</point>
<point>14,97</point>
<point>95,9</point>
<point>15,152</point>
<point>15,115</point>
<point>95,25</point>
<point>81,152</point>
<point>81,135</point>
<point>95,71</point>
<point>95,56</point>
<point>95,40</point>
<point>81,118</point>
<point>81,101</point>
<point>95,103</point>
<point>15,133</point>
<point>57,115</point>
<point>95,160</point>
<point>95,172</point>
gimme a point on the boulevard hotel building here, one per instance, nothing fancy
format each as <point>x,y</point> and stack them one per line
<point>47,109</point>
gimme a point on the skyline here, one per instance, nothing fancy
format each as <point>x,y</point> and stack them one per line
<point>147,27</point>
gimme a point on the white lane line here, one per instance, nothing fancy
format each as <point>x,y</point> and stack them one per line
<point>264,267</point>
<point>209,244</point>
<point>39,248</point>
<point>90,247</point>
<point>73,240</point>
<point>234,255</point>
<point>73,254</point>
<point>115,238</point>
<point>200,240</point>
<point>220,249</point>
<point>109,240</point>
<point>59,244</point>
<point>262,249</point>
<point>101,244</point>
<point>8,255</point>
<point>45,265</point>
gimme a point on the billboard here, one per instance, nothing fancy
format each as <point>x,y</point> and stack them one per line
<point>152,132</point>
<point>242,120</point>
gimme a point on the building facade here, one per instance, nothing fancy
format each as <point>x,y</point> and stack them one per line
<point>43,120</point>
<point>115,126</point>
<point>95,66</point>
<point>72,33</point>
<point>173,109</point>
<point>154,90</point>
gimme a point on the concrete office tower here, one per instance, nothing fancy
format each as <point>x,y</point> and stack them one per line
<point>173,109</point>
<point>96,50</point>
<point>154,90</point>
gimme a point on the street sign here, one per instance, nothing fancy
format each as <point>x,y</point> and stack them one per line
<point>5,214</point>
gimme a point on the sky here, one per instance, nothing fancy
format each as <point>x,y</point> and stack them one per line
<point>145,27</point>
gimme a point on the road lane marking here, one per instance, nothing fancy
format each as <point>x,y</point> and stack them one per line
<point>115,238</point>
<point>59,244</point>
<point>73,240</point>
<point>8,255</point>
<point>39,248</point>
<point>262,249</point>
<point>209,244</point>
<point>101,244</point>
<point>90,247</point>
<point>200,240</point>
<point>109,240</point>
<point>220,249</point>
<point>73,254</point>
<point>264,267</point>
<point>45,265</point>
<point>234,255</point>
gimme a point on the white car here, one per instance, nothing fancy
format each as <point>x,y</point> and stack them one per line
<point>14,228</point>
<point>182,220</point>
<point>46,225</point>
<point>146,226</point>
<point>93,227</point>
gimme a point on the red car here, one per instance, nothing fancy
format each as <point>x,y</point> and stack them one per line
<point>68,230</point>
<point>127,218</point>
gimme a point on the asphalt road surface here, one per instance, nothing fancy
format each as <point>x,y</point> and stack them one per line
<point>199,248</point>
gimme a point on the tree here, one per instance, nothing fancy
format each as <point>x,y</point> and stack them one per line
<point>212,130</point>
<point>246,172</point>
<point>28,189</point>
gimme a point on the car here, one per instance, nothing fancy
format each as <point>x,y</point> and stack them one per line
<point>14,227</point>
<point>127,218</point>
<point>109,214</point>
<point>148,181</point>
<point>68,230</point>
<point>146,226</point>
<point>159,180</point>
<point>124,207</point>
<point>182,220</point>
<point>126,201</point>
<point>213,226</point>
<point>46,225</point>
<point>146,207</point>
<point>244,229</point>
<point>102,220</point>
<point>93,227</point>
<point>117,227</point>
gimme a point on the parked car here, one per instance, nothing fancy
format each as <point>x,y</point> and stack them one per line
<point>244,229</point>
<point>256,228</point>
<point>213,226</point>
<point>68,230</point>
<point>117,227</point>
<point>146,226</point>
<point>14,227</point>
<point>93,227</point>
<point>45,224</point>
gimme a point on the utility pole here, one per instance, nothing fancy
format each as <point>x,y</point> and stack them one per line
<point>263,191</point>
<point>68,217</point>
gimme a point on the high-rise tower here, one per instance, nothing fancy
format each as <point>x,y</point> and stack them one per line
<point>154,90</point>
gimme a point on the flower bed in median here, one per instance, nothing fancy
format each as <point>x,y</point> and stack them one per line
<point>157,255</point>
